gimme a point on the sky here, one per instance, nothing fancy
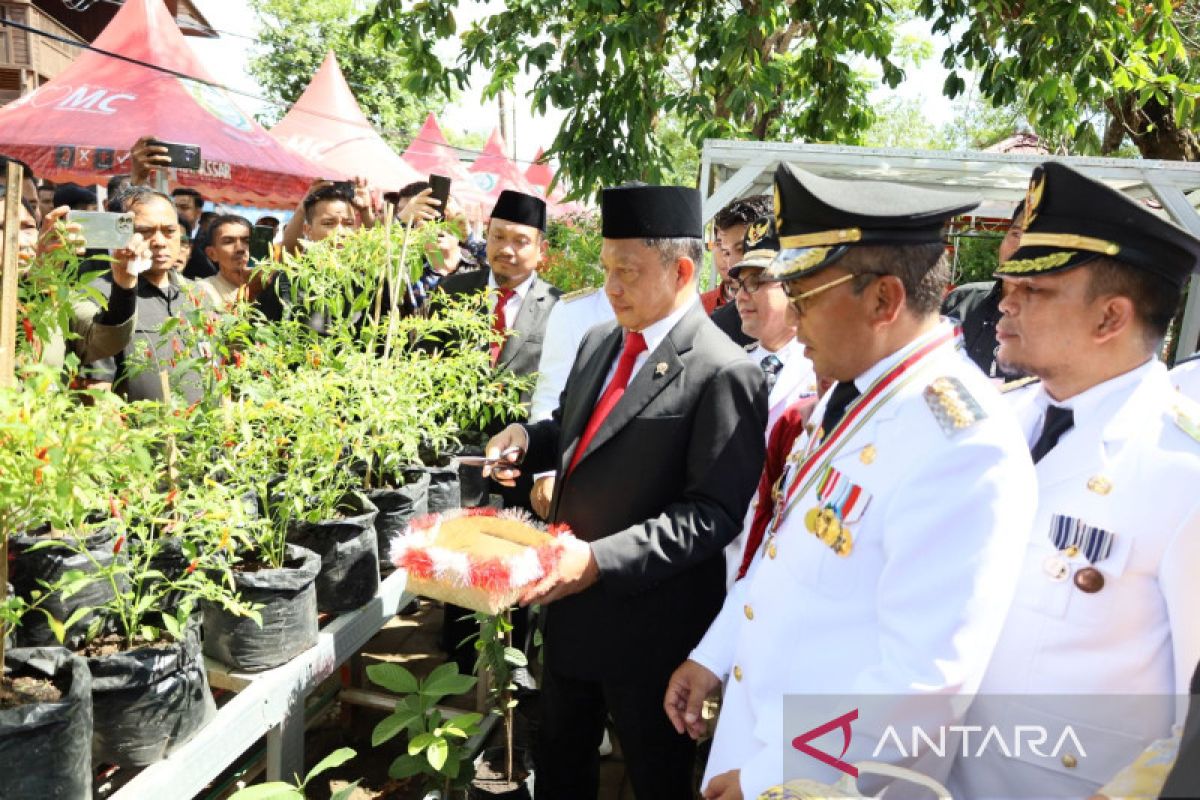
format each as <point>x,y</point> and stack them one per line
<point>227,58</point>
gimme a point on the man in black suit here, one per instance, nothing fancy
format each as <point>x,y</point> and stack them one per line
<point>519,300</point>
<point>657,443</point>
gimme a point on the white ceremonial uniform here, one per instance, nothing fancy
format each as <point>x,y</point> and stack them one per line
<point>1186,377</point>
<point>573,316</point>
<point>939,532</point>
<point>795,381</point>
<point>1129,470</point>
<point>797,378</point>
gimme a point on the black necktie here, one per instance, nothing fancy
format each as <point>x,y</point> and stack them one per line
<point>770,367</point>
<point>842,395</point>
<point>1058,421</point>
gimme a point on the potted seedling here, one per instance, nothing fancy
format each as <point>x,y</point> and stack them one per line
<point>435,745</point>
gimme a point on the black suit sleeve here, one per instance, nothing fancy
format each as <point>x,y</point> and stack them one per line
<point>725,456</point>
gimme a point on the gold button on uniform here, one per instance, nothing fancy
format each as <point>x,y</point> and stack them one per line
<point>1069,761</point>
<point>771,551</point>
<point>749,611</point>
<point>737,672</point>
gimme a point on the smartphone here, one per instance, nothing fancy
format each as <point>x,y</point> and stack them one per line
<point>261,237</point>
<point>441,191</point>
<point>103,230</point>
<point>182,156</point>
<point>344,187</point>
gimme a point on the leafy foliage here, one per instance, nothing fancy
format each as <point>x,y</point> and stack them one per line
<point>435,744</point>
<point>574,258</point>
<point>296,34</point>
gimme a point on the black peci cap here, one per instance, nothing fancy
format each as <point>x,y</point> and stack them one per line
<point>521,208</point>
<point>1071,219</point>
<point>818,219</point>
<point>651,212</point>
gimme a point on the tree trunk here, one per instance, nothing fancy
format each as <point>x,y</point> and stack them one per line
<point>1153,129</point>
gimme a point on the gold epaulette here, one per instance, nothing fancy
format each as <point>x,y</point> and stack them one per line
<point>1185,413</point>
<point>1017,384</point>
<point>952,405</point>
<point>578,294</point>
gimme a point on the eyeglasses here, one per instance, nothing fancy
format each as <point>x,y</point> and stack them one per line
<point>749,284</point>
<point>798,298</point>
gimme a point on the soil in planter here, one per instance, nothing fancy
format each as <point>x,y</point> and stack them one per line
<point>45,725</point>
<point>24,690</point>
<point>490,780</point>
<point>148,701</point>
<point>288,607</point>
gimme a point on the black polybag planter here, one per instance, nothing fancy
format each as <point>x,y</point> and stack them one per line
<point>29,569</point>
<point>46,748</point>
<point>288,600</point>
<point>397,506</point>
<point>444,493</point>
<point>147,702</point>
<point>349,554</point>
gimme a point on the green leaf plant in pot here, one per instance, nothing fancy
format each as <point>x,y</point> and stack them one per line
<point>501,772</point>
<point>435,744</point>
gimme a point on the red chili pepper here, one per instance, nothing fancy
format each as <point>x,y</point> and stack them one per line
<point>28,326</point>
<point>191,408</point>
<point>238,359</point>
<point>177,346</point>
<point>150,352</point>
<point>209,328</point>
<point>171,495</point>
<point>40,455</point>
<point>37,476</point>
<point>114,510</point>
<point>118,544</point>
<point>218,373</point>
<point>266,373</point>
<point>192,566</point>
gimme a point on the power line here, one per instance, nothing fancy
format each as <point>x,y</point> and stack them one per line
<point>223,87</point>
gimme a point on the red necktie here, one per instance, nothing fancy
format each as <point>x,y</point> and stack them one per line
<point>635,345</point>
<point>499,323</point>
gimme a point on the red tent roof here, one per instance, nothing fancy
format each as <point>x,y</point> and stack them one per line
<point>540,174</point>
<point>494,172</point>
<point>327,125</point>
<point>80,126</point>
<point>430,153</point>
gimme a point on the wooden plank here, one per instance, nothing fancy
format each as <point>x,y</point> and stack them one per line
<point>10,267</point>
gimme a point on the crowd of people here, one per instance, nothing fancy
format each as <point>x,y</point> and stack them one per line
<point>824,479</point>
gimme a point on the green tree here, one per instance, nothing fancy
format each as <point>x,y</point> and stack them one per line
<point>1088,73</point>
<point>296,35</point>
<point>763,69</point>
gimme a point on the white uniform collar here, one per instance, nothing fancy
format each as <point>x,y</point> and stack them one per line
<point>1101,402</point>
<point>864,381</point>
<point>791,348</point>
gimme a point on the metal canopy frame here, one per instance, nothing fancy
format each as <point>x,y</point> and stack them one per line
<point>731,169</point>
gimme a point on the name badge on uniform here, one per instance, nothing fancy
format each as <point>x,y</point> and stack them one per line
<point>840,504</point>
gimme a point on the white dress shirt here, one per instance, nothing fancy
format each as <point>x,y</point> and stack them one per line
<point>513,305</point>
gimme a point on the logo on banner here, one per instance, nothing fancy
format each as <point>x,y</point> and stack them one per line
<point>83,98</point>
<point>842,723</point>
<point>485,181</point>
<point>219,104</point>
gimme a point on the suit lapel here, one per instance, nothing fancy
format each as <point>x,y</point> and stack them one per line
<point>660,369</point>
<point>530,317</point>
<point>578,409</point>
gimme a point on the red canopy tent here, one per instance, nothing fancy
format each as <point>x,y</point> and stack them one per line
<point>494,172</point>
<point>431,154</point>
<point>539,174</point>
<point>79,127</point>
<point>327,125</point>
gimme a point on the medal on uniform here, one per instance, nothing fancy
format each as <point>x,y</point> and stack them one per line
<point>839,504</point>
<point>1074,538</point>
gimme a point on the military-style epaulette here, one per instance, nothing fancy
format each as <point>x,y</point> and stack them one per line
<point>1186,415</point>
<point>952,405</point>
<point>578,294</point>
<point>1019,383</point>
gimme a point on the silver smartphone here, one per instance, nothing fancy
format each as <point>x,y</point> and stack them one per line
<point>103,230</point>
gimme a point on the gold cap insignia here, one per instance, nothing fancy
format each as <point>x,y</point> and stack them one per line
<point>1033,198</point>
<point>756,233</point>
